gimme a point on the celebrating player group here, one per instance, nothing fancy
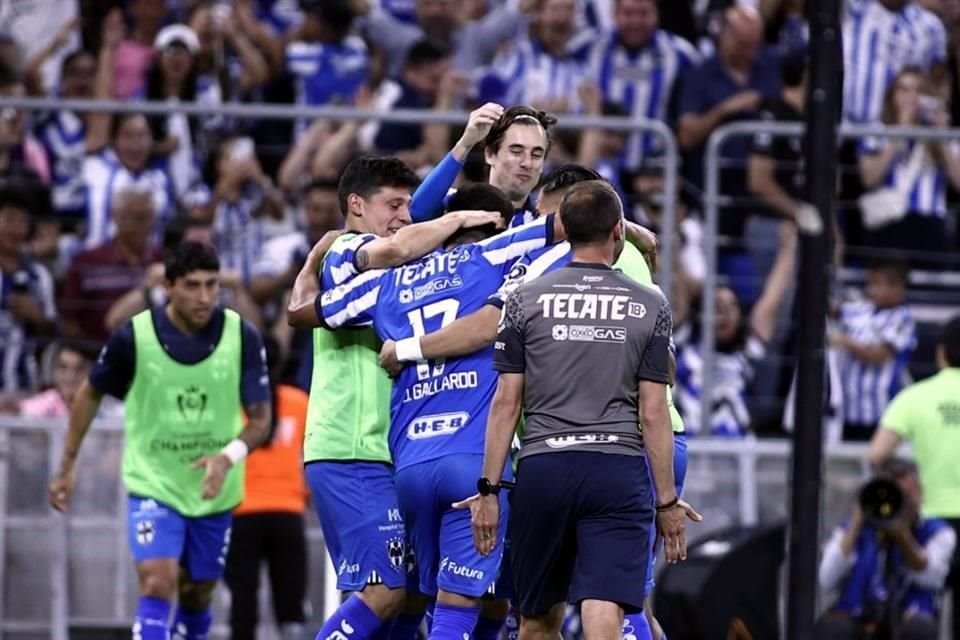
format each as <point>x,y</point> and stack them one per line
<point>447,326</point>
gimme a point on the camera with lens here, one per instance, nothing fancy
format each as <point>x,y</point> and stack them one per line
<point>881,501</point>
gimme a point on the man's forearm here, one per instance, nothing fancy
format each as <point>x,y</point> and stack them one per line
<point>410,243</point>
<point>301,310</point>
<point>84,409</point>
<point>257,428</point>
<point>501,426</point>
<point>658,441</point>
<point>464,336</point>
<point>914,556</point>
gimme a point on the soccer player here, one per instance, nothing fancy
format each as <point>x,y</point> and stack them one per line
<point>186,372</point>
<point>479,330</point>
<point>348,464</point>
<point>438,408</point>
<point>575,531</point>
<point>515,149</point>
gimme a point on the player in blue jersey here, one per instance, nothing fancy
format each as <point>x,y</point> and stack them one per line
<point>439,408</point>
<point>479,329</point>
<point>515,148</point>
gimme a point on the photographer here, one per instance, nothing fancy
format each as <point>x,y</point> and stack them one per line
<point>887,562</point>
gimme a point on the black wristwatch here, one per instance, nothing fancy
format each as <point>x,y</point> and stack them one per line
<point>487,488</point>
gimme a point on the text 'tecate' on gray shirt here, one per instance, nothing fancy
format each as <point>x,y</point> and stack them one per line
<point>584,336</point>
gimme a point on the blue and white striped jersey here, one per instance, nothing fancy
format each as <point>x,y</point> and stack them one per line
<point>643,81</point>
<point>62,134</point>
<point>105,176</point>
<point>238,232</point>
<point>438,407</point>
<point>927,193</point>
<point>878,44</point>
<point>527,73</point>
<point>339,265</point>
<point>868,388</point>
<point>328,73</point>
<point>18,363</point>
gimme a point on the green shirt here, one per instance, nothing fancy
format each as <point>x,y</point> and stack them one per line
<point>927,414</point>
<point>175,413</point>
<point>348,416</point>
<point>632,264</point>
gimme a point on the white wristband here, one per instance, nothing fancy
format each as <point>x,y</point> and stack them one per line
<point>408,350</point>
<point>236,450</point>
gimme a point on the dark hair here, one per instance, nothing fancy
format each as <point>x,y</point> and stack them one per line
<point>590,211</point>
<point>86,349</point>
<point>567,175</point>
<point>896,468</point>
<point>522,115</point>
<point>153,90</point>
<point>188,257</point>
<point>72,57</point>
<point>793,65</point>
<point>9,76</point>
<point>338,15</point>
<point>480,197</point>
<point>896,269</point>
<point>176,229</point>
<point>324,184</point>
<point>950,339</point>
<point>425,52</point>
<point>120,119</point>
<point>366,175</point>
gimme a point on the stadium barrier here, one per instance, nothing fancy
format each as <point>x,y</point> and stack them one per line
<point>64,575</point>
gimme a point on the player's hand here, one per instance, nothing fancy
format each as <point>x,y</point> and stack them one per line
<point>61,488</point>
<point>645,241</point>
<point>388,359</point>
<point>479,124</point>
<point>485,517</point>
<point>471,218</point>
<point>216,467</point>
<point>320,249</point>
<point>670,525</point>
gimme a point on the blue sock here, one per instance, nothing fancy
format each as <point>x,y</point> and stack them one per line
<point>487,629</point>
<point>354,620</point>
<point>513,623</point>
<point>150,622</point>
<point>636,627</point>
<point>190,625</point>
<point>406,626</point>
<point>453,623</point>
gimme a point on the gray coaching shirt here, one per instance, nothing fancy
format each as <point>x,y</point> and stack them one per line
<point>584,336</point>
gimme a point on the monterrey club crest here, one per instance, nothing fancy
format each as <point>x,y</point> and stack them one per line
<point>396,551</point>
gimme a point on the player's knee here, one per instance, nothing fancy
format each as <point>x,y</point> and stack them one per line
<point>157,580</point>
<point>196,596</point>
<point>383,601</point>
<point>494,608</point>
<point>545,626</point>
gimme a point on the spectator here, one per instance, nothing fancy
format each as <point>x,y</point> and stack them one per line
<point>229,65</point>
<point>135,50</point>
<point>545,69</point>
<point>29,26</point>
<point>786,24</point>
<point>118,152</point>
<point>99,277</point>
<point>27,310</point>
<point>881,38</point>
<point>899,564</point>
<point>474,42</point>
<point>71,365</point>
<point>241,196</point>
<point>53,52</point>
<point>419,87</point>
<point>328,63</point>
<point>62,134</point>
<point>875,338</point>
<point>740,346</point>
<point>603,148</point>
<point>640,67</point>
<point>268,526</point>
<point>729,85</point>
<point>19,150</point>
<point>927,414</point>
<point>919,172</point>
<point>283,256</point>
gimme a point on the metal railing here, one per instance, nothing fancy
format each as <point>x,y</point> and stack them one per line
<point>670,158</point>
<point>713,200</point>
<point>81,565</point>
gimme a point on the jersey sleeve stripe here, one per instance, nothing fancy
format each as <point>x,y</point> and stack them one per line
<point>337,315</point>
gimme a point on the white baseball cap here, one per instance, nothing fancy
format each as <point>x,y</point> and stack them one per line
<point>177,33</point>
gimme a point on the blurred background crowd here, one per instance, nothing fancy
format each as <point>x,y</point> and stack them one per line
<point>89,202</point>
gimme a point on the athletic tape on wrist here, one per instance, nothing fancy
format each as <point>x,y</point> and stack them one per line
<point>236,450</point>
<point>408,350</point>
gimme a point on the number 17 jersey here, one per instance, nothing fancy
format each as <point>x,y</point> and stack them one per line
<point>438,407</point>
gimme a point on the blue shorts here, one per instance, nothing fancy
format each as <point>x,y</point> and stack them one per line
<point>362,528</point>
<point>679,475</point>
<point>442,537</point>
<point>156,530</point>
<point>577,521</point>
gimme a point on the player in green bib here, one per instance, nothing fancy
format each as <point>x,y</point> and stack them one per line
<point>927,414</point>
<point>186,373</point>
<point>346,457</point>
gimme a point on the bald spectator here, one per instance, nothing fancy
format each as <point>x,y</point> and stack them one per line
<point>729,86</point>
<point>99,277</point>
